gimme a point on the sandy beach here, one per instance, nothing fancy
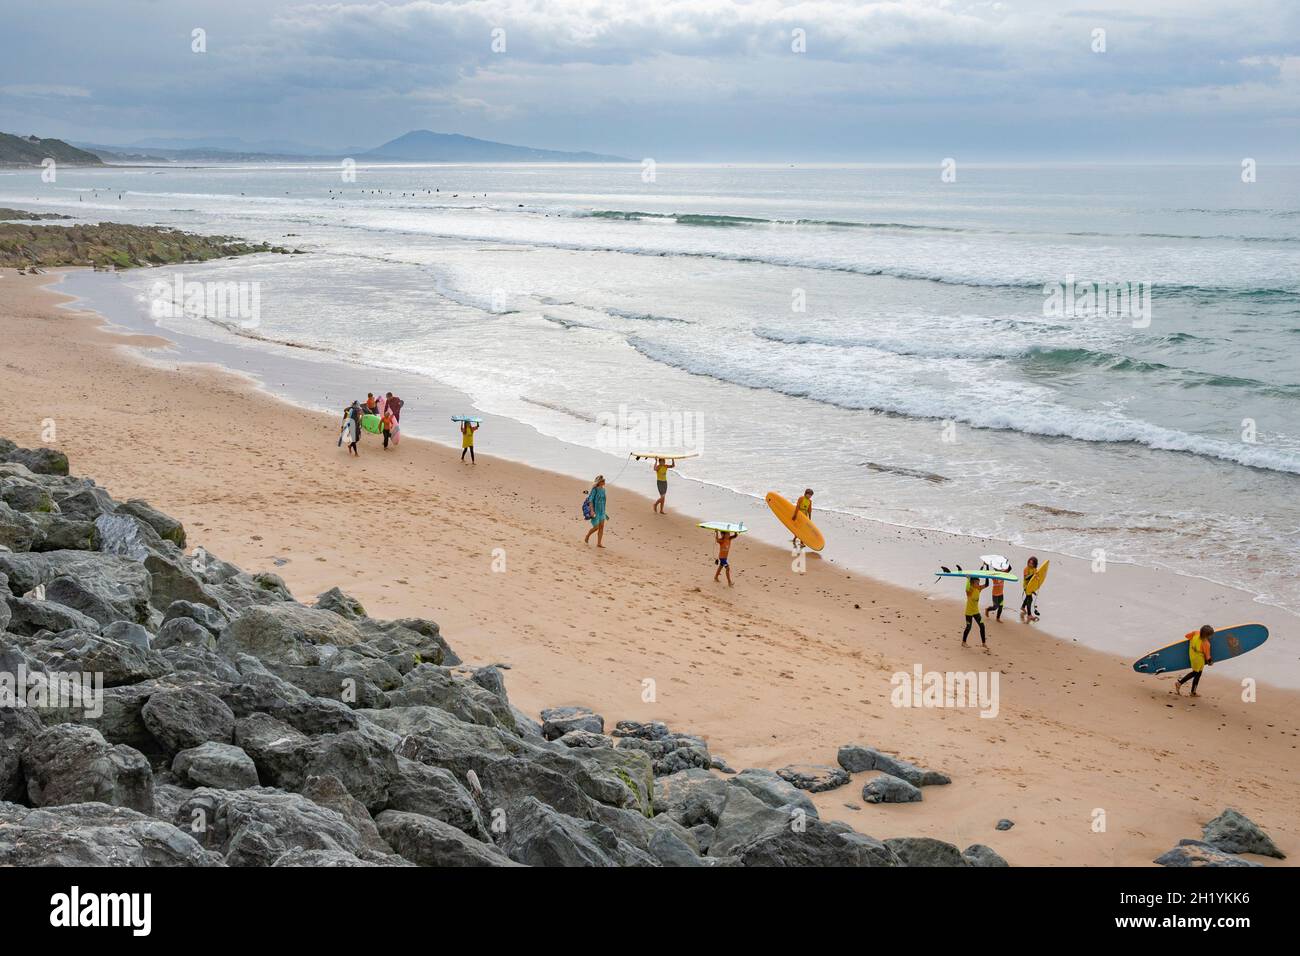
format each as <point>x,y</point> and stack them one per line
<point>783,668</point>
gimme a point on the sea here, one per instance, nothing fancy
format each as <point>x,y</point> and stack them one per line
<point>1101,361</point>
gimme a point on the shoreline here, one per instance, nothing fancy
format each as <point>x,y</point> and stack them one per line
<point>803,674</point>
<point>1147,598</point>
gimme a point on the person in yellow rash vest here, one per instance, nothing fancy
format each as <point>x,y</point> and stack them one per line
<point>804,505</point>
<point>973,589</point>
<point>1199,651</point>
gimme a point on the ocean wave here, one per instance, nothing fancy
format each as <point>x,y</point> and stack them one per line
<point>1042,420</point>
<point>646,317</point>
<point>1062,357</point>
<point>731,221</point>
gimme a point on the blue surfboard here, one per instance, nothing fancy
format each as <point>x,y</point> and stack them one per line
<point>1226,643</point>
<point>993,575</point>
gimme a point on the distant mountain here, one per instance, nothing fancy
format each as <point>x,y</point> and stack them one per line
<point>231,144</point>
<point>425,146</point>
<point>32,151</point>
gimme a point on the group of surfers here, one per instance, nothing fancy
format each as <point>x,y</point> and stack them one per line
<point>594,510</point>
<point>997,586</point>
<point>1200,651</point>
<point>388,409</point>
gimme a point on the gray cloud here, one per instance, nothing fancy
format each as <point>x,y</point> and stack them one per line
<point>675,78</point>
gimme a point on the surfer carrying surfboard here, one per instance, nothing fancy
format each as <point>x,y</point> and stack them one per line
<point>804,505</point>
<point>467,430</point>
<point>724,539</point>
<point>350,433</point>
<point>1026,576</point>
<point>973,589</point>
<point>1199,650</point>
<point>661,467</point>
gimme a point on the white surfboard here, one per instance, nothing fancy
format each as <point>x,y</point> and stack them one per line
<point>666,455</point>
<point>724,526</point>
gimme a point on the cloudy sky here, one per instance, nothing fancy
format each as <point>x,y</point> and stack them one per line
<point>678,80</point>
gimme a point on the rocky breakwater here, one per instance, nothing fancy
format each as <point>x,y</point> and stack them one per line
<point>162,707</point>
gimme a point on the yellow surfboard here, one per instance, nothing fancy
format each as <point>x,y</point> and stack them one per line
<point>1038,579</point>
<point>800,527</point>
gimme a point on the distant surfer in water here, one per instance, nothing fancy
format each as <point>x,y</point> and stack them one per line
<point>596,505</point>
<point>1199,650</point>
<point>467,430</point>
<point>724,539</point>
<point>973,589</point>
<point>1027,606</point>
<point>661,467</point>
<point>804,504</point>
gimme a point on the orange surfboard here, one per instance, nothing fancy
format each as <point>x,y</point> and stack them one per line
<point>800,527</point>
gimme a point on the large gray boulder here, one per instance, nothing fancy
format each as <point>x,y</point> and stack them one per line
<point>926,851</point>
<point>27,496</point>
<point>70,763</point>
<point>256,827</point>
<point>430,686</point>
<point>94,834</point>
<point>184,632</point>
<point>208,617</point>
<point>18,531</point>
<point>344,605</point>
<point>772,790</point>
<point>39,461</point>
<point>60,533</point>
<point>278,750</point>
<point>1195,853</point>
<point>286,634</point>
<point>187,717</point>
<point>117,662</point>
<point>558,721</point>
<point>435,792</point>
<point>427,841</point>
<point>19,726</point>
<point>217,765</point>
<point>691,797</point>
<point>813,778</point>
<point>262,691</point>
<point>540,835</point>
<point>856,759</point>
<point>977,854</point>
<point>328,791</point>
<point>123,584</point>
<point>166,527</point>
<point>28,617</point>
<point>1234,832</point>
<point>408,642</point>
<point>816,844</point>
<point>746,819</point>
<point>886,788</point>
